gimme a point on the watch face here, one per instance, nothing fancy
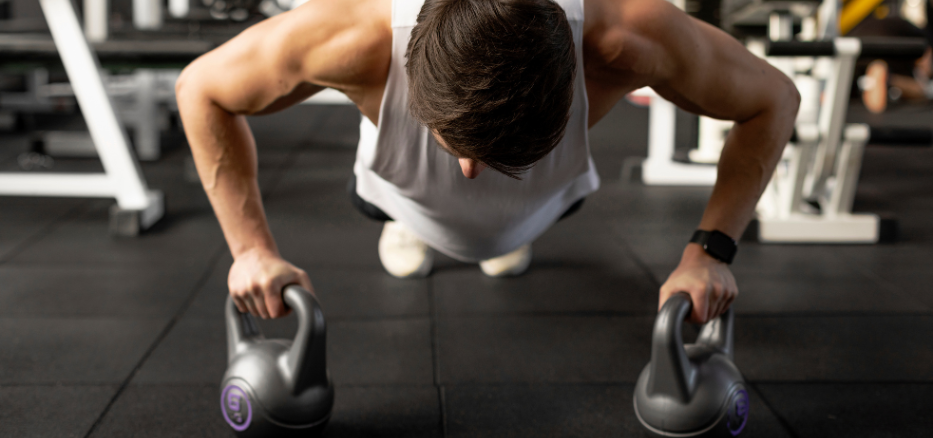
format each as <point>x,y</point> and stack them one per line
<point>721,246</point>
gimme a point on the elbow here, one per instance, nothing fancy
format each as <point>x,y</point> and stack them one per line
<point>184,84</point>
<point>789,101</point>
<point>191,87</point>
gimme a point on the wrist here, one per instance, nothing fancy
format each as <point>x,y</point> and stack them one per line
<point>255,251</point>
<point>695,254</point>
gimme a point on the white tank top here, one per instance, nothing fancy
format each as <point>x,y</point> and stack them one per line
<point>401,169</point>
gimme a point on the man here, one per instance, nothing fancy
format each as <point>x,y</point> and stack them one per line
<point>448,88</point>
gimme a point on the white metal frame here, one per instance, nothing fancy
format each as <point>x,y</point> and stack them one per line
<point>822,166</point>
<point>660,168</point>
<point>122,178</point>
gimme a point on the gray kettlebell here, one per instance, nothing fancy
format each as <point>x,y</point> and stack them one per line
<point>276,387</point>
<point>691,390</point>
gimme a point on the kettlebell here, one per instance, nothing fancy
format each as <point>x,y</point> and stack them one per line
<point>691,390</point>
<point>277,387</point>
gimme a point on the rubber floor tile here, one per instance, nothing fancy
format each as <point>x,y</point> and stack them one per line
<point>793,260</point>
<point>317,201</point>
<point>66,291</point>
<point>862,410</point>
<point>543,349</point>
<point>385,411</point>
<point>311,244</point>
<point>394,351</point>
<point>181,242</point>
<point>89,351</point>
<point>795,292</point>
<point>563,411</point>
<point>51,411</point>
<point>835,348</point>
<point>312,125</point>
<point>22,218</point>
<point>156,411</point>
<point>915,283</point>
<point>193,352</point>
<point>655,250</point>
<point>577,241</point>
<point>549,289</point>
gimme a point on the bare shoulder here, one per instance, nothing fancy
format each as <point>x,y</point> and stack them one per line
<point>323,43</point>
<point>339,44</point>
<point>632,36</point>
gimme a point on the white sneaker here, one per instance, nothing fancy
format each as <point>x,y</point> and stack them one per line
<point>508,265</point>
<point>402,253</point>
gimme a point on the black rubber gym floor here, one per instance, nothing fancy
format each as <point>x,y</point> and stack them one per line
<point>108,337</point>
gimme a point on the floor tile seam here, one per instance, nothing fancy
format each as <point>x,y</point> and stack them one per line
<point>205,277</point>
<point>893,288</point>
<point>555,314</point>
<point>620,384</point>
<point>72,318</point>
<point>39,234</point>
<point>780,418</point>
<point>835,314</point>
<point>840,382</point>
<point>435,360</point>
<point>337,385</point>
<point>287,163</point>
<point>641,264</point>
<point>60,385</point>
<point>84,267</point>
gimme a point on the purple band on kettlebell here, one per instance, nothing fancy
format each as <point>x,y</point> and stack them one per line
<point>233,403</point>
<point>738,412</point>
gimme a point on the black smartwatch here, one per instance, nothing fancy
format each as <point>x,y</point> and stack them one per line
<point>717,244</point>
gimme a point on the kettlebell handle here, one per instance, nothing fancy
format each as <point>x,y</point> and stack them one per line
<point>672,374</point>
<point>306,357</point>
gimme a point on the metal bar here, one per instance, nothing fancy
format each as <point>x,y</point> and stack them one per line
<point>95,20</point>
<point>871,47</point>
<point>832,118</point>
<point>84,72</point>
<point>147,14</point>
<point>56,184</point>
<point>847,170</point>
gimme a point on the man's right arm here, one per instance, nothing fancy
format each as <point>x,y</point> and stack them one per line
<point>270,66</point>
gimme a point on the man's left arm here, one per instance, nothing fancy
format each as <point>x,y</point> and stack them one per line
<point>703,70</point>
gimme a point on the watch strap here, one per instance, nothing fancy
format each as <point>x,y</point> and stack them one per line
<point>717,244</point>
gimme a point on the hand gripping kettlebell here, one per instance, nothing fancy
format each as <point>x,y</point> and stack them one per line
<point>691,390</point>
<point>276,387</point>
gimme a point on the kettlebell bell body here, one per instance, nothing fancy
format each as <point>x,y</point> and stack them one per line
<point>276,387</point>
<point>692,390</point>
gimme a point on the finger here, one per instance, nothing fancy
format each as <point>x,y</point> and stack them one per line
<point>259,300</point>
<point>273,300</point>
<point>305,281</point>
<point>250,306</point>
<point>665,294</point>
<point>701,306</point>
<point>239,303</point>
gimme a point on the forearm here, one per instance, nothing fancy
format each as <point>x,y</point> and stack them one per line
<point>224,153</point>
<point>752,151</point>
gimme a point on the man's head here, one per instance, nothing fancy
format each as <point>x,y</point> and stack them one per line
<point>493,78</point>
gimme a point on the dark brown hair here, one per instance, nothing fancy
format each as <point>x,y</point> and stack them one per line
<point>493,78</point>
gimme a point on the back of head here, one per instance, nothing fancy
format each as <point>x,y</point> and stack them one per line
<point>493,78</point>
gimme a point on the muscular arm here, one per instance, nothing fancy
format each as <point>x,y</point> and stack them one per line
<point>705,71</point>
<point>270,66</point>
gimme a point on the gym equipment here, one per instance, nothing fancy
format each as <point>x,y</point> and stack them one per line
<point>137,207</point>
<point>691,390</point>
<point>660,168</point>
<point>810,197</point>
<point>275,387</point>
